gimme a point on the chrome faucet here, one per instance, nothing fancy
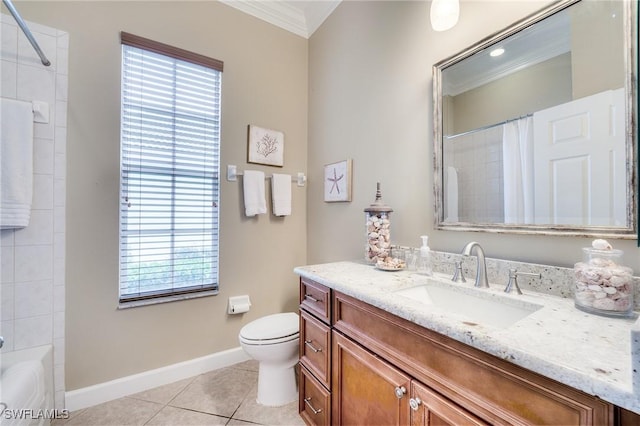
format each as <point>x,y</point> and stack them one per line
<point>481,272</point>
<point>512,285</point>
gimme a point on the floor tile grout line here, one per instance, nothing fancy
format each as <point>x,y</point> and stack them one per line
<point>244,398</point>
<point>155,415</point>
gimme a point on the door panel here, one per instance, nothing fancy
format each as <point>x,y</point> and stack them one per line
<point>364,387</point>
<point>579,160</point>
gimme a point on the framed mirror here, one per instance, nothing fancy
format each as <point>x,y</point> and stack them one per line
<point>535,126</point>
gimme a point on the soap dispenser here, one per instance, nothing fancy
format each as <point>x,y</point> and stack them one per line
<point>424,266</point>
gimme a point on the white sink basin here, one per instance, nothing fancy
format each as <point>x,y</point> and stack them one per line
<point>479,306</point>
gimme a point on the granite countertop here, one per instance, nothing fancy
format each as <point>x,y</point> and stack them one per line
<point>595,354</point>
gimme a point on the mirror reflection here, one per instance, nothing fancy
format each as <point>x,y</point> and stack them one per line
<point>531,126</point>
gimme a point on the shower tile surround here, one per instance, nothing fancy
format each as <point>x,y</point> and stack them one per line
<point>32,268</point>
<point>477,157</point>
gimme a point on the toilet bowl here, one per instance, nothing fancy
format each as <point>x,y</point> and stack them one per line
<point>273,341</point>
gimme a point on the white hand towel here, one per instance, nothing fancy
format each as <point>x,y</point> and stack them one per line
<point>254,198</point>
<point>281,194</point>
<point>16,163</point>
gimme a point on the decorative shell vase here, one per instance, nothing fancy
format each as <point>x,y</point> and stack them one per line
<point>378,230</point>
<point>603,285</point>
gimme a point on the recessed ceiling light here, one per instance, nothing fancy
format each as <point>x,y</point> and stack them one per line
<point>496,52</point>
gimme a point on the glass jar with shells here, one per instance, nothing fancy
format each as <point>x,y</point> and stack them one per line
<point>603,285</point>
<point>378,230</point>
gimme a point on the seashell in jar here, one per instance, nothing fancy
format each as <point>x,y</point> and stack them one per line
<point>585,298</point>
<point>609,290</point>
<point>599,244</point>
<point>605,274</point>
<point>603,263</point>
<point>619,281</point>
<point>591,275</point>
<point>605,304</point>
<point>622,304</point>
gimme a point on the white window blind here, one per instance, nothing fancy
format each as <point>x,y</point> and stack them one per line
<point>170,144</point>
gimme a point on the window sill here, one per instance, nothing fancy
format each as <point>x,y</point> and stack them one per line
<point>166,299</point>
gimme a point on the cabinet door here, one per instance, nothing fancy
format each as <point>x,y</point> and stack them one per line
<point>366,390</point>
<point>431,409</point>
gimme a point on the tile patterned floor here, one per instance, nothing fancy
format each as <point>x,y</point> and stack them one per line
<point>221,397</point>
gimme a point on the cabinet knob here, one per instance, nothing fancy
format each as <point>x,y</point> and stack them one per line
<point>414,403</point>
<point>400,391</point>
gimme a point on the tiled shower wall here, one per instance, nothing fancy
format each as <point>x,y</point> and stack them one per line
<point>32,274</point>
<point>477,156</point>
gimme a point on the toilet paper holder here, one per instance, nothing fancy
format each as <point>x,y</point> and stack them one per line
<point>238,304</point>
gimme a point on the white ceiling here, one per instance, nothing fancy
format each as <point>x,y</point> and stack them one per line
<point>301,17</point>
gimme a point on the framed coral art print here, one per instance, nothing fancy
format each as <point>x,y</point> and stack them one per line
<point>337,181</point>
<point>266,146</point>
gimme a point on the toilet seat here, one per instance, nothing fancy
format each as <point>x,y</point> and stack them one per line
<point>271,329</point>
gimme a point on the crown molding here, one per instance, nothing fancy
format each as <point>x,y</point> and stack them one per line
<point>299,17</point>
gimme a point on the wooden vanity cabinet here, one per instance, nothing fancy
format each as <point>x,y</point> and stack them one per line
<point>360,365</point>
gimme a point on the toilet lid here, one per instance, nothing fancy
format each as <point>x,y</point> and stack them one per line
<point>273,326</point>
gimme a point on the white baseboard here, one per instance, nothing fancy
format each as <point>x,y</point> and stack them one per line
<point>114,389</point>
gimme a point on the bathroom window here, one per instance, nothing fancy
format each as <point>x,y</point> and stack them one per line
<point>169,179</point>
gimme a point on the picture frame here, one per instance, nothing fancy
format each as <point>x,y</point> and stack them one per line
<point>337,181</point>
<point>265,146</point>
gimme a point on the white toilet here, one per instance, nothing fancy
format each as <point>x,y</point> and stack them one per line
<point>273,341</point>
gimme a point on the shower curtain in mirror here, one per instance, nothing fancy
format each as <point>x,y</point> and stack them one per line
<point>517,144</point>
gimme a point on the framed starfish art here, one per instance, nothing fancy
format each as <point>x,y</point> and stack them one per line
<point>337,181</point>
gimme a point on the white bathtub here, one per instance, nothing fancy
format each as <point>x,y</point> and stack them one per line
<point>26,386</point>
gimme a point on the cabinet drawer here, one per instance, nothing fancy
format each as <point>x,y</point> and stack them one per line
<point>315,347</point>
<point>315,401</point>
<point>316,299</point>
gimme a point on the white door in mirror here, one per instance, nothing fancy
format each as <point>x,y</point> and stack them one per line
<point>579,157</point>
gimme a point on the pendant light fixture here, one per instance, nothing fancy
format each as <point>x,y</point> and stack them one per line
<point>444,14</point>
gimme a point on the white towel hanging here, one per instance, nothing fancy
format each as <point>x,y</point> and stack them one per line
<point>16,163</point>
<point>254,198</point>
<point>281,194</point>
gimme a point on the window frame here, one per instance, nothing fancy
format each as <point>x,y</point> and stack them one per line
<point>184,292</point>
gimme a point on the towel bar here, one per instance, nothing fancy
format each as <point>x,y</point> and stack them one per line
<point>232,175</point>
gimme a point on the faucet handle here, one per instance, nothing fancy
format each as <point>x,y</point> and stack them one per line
<point>513,280</point>
<point>458,275</point>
